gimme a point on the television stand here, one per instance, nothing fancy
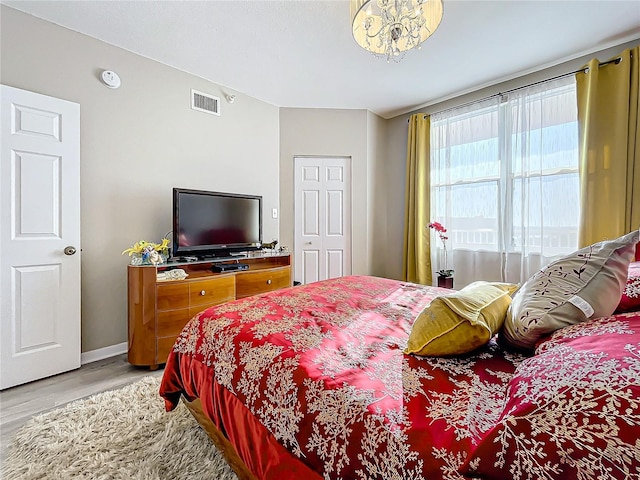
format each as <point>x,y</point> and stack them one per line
<point>159,309</point>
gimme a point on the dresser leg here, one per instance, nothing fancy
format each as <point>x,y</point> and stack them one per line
<point>153,367</point>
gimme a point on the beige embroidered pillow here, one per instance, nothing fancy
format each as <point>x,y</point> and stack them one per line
<point>586,284</point>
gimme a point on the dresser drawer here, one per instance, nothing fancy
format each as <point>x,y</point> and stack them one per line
<point>172,296</point>
<point>170,322</point>
<point>212,291</point>
<point>260,281</point>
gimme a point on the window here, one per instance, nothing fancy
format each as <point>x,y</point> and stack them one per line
<point>504,180</point>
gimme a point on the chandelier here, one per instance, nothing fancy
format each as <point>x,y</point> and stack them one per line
<point>389,28</point>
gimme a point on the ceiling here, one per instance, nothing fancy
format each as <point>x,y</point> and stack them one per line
<point>301,53</point>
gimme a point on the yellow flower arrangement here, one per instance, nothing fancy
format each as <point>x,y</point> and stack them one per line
<point>148,253</point>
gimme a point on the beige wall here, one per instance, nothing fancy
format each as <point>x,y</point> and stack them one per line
<point>396,133</point>
<point>137,142</point>
<point>377,202</point>
<point>320,132</point>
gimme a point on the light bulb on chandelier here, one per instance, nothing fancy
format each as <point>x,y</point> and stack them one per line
<point>389,28</point>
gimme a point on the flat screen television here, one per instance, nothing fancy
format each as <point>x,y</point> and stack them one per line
<point>215,223</point>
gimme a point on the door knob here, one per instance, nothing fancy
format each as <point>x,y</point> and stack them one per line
<point>307,243</point>
<point>70,250</point>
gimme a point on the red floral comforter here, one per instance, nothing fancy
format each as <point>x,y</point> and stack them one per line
<point>572,410</point>
<point>318,370</point>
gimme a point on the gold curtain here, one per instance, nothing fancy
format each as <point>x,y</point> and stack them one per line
<point>417,249</point>
<point>609,130</point>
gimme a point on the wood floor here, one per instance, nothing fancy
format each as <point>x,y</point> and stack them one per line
<point>19,404</point>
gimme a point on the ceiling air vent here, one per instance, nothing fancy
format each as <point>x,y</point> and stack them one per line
<point>205,103</point>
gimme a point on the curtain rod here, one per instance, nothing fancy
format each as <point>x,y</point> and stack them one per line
<point>584,69</point>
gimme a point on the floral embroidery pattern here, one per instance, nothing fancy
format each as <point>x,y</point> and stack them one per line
<point>255,360</point>
<point>572,411</point>
<point>338,411</point>
<point>599,326</point>
<point>630,300</point>
<point>632,289</point>
<point>397,460</point>
<point>321,367</point>
<point>280,410</point>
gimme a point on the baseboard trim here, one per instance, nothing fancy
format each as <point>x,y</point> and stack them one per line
<point>102,353</point>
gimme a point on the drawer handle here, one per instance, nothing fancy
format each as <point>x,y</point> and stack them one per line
<point>269,282</point>
<point>203,293</point>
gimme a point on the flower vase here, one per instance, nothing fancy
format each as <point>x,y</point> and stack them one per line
<point>445,281</point>
<point>445,257</point>
<point>142,259</point>
<point>136,259</point>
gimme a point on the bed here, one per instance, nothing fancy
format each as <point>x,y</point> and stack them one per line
<point>314,382</point>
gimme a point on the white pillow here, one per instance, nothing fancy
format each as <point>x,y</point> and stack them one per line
<point>585,284</point>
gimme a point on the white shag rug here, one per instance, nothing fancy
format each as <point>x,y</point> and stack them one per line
<point>120,434</point>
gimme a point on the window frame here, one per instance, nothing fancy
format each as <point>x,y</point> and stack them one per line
<point>507,176</point>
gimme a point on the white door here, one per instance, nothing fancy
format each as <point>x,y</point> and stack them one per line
<point>322,241</point>
<point>39,236</point>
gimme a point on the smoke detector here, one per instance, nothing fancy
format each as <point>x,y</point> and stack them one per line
<point>111,79</point>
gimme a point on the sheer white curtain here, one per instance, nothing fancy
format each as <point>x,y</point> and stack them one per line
<point>504,179</point>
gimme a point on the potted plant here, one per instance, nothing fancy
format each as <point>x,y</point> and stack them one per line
<point>445,275</point>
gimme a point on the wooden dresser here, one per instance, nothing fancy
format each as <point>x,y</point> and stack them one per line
<point>158,310</point>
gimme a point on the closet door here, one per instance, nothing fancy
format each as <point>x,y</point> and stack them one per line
<point>322,210</point>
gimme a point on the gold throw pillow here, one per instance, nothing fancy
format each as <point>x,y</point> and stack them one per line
<point>460,322</point>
